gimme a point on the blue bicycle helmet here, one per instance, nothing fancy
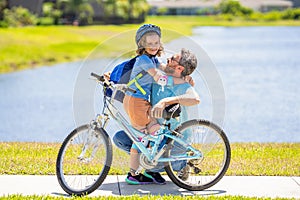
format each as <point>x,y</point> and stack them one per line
<point>146,28</point>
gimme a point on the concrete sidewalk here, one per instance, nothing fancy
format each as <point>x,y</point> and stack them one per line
<point>252,186</point>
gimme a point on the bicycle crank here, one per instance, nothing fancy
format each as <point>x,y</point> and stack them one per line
<point>145,163</point>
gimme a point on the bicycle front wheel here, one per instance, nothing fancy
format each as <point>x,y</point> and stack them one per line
<point>84,160</point>
<point>202,173</point>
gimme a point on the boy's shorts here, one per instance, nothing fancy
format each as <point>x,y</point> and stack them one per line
<point>138,111</point>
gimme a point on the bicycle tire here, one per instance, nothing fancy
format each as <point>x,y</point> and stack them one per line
<point>206,173</point>
<point>85,156</point>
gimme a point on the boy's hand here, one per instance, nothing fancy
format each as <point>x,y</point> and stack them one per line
<point>107,75</point>
<point>190,80</point>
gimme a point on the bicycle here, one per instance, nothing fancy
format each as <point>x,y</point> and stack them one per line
<point>85,157</point>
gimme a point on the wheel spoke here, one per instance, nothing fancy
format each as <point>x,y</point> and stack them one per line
<point>211,141</point>
<point>84,160</point>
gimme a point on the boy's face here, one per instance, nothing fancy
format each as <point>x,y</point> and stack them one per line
<point>152,44</point>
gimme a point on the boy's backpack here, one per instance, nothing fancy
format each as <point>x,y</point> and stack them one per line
<point>121,75</point>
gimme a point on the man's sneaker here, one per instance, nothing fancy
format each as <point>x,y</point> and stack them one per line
<point>156,177</point>
<point>184,173</point>
<point>138,179</point>
<point>194,162</point>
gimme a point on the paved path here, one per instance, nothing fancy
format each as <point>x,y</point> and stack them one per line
<point>258,186</point>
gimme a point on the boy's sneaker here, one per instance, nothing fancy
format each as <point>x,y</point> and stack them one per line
<point>156,177</point>
<point>184,173</point>
<point>138,179</point>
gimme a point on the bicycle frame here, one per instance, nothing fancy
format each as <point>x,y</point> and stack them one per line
<point>88,148</point>
<point>154,154</point>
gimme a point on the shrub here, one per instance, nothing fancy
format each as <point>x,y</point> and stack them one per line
<point>226,17</point>
<point>291,14</point>
<point>45,21</point>
<point>273,16</point>
<point>162,11</point>
<point>256,16</point>
<point>19,16</point>
<point>3,24</point>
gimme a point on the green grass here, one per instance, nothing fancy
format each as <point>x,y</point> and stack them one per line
<point>257,159</point>
<point>136,197</point>
<point>270,159</point>
<point>30,47</point>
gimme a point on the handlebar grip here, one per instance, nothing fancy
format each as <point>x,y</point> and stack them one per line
<point>100,78</point>
<point>131,90</point>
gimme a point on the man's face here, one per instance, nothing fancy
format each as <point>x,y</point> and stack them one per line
<point>172,64</point>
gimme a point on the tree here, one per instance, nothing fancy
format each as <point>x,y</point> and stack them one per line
<point>3,5</point>
<point>136,8</point>
<point>234,8</point>
<point>77,10</point>
<point>50,10</point>
<point>19,16</point>
<point>125,10</point>
<point>110,7</point>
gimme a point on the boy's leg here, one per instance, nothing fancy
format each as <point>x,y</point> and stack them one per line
<point>133,178</point>
<point>152,129</point>
<point>134,161</point>
<point>138,111</point>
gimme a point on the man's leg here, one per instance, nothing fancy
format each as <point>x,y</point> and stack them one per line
<point>122,141</point>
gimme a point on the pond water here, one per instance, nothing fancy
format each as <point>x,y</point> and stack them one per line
<point>259,68</point>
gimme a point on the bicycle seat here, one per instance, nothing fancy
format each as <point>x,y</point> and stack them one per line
<point>172,111</point>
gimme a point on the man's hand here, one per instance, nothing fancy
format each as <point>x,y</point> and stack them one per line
<point>158,109</point>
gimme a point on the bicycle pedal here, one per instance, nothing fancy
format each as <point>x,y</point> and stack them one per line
<point>197,170</point>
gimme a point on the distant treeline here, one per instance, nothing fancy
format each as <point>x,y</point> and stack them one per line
<point>231,9</point>
<point>87,12</point>
<point>76,12</point>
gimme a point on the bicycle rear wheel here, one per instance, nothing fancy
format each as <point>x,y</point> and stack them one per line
<point>211,141</point>
<point>84,160</point>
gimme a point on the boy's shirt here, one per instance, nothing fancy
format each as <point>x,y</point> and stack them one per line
<point>145,63</point>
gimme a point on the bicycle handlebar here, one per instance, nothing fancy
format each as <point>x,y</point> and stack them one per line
<point>98,77</point>
<point>122,87</point>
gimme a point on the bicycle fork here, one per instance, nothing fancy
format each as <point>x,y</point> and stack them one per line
<point>91,140</point>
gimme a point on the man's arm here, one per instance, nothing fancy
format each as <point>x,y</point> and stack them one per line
<point>190,98</point>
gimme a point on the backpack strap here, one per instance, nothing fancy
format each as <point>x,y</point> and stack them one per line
<point>140,75</point>
<point>135,81</point>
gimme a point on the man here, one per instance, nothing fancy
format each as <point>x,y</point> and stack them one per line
<point>174,90</point>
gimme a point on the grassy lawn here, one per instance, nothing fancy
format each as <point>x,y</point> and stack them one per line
<point>136,197</point>
<point>29,47</point>
<point>270,159</point>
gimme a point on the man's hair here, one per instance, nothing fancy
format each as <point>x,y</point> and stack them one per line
<point>189,61</point>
